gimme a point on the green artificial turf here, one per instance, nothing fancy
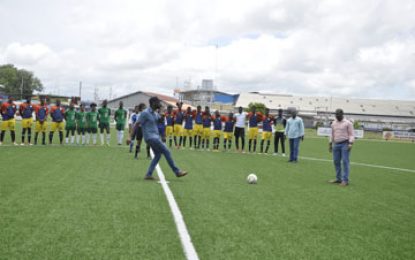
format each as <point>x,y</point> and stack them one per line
<point>70,202</point>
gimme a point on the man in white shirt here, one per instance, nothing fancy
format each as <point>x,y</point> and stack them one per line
<point>240,128</point>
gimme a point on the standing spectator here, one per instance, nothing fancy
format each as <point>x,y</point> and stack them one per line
<point>120,117</point>
<point>294,131</point>
<point>342,138</point>
<point>279,123</point>
<point>266,130</point>
<point>57,113</point>
<point>26,112</point>
<point>70,126</point>
<point>240,119</point>
<point>41,112</point>
<point>131,123</point>
<point>8,110</point>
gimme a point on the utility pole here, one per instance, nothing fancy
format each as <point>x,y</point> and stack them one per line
<point>80,89</point>
<point>96,94</point>
<point>21,90</point>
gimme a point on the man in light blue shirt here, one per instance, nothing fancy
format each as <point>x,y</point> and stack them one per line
<point>149,123</point>
<point>294,132</point>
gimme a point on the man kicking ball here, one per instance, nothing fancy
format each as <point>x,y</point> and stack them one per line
<point>149,120</point>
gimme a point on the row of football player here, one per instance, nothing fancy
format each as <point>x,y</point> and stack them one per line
<point>195,126</point>
<point>200,130</point>
<point>80,121</point>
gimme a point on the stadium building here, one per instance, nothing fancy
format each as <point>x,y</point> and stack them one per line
<point>207,95</point>
<point>372,114</point>
<point>133,99</point>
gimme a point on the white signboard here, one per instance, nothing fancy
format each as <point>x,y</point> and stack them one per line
<point>326,131</point>
<point>387,135</point>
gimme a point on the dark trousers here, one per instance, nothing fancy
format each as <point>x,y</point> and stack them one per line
<point>279,136</point>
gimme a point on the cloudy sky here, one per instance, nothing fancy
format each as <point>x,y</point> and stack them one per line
<point>354,48</point>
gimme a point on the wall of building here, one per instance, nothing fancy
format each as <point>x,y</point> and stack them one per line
<point>129,101</point>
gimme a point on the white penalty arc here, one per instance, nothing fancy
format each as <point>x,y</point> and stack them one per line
<point>188,248</point>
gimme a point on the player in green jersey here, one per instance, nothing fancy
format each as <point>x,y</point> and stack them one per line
<point>80,117</point>
<point>70,125</point>
<point>104,114</point>
<point>120,117</point>
<point>91,121</point>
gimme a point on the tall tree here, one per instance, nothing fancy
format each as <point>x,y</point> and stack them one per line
<point>260,107</point>
<point>19,83</point>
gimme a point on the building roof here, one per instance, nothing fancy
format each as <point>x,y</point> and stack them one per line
<point>206,90</point>
<point>149,94</point>
<point>307,104</point>
<point>166,99</point>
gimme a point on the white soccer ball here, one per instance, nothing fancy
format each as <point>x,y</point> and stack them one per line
<point>252,179</point>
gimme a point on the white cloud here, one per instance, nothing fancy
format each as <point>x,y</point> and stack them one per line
<point>353,48</point>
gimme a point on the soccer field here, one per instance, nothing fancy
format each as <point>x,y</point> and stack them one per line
<point>69,202</point>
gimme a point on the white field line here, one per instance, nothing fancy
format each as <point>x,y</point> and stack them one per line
<point>188,248</point>
<point>303,157</point>
<point>362,164</point>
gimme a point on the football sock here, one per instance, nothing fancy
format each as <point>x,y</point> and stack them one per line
<point>29,135</point>
<point>131,145</point>
<point>23,134</point>
<point>137,150</point>
<point>102,138</point>
<point>13,134</point>
<point>60,137</point>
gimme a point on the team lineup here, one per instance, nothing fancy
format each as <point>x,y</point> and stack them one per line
<point>192,129</point>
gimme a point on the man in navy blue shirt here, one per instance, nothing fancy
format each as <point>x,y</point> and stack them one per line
<point>149,119</point>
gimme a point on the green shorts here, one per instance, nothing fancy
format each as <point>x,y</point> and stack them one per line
<point>120,127</point>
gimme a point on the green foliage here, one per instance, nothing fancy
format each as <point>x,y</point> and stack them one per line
<point>12,78</point>
<point>319,124</point>
<point>357,125</point>
<point>260,107</point>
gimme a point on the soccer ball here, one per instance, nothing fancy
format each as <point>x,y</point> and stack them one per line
<point>252,179</point>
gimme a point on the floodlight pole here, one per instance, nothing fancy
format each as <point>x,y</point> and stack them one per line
<point>21,90</point>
